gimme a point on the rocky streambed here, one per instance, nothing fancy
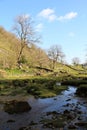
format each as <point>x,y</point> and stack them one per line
<point>63,112</point>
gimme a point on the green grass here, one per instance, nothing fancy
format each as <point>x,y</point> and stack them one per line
<point>9,44</point>
<point>75,82</point>
<point>44,93</point>
<point>38,87</point>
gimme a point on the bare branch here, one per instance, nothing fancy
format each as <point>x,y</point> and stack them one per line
<point>24,30</point>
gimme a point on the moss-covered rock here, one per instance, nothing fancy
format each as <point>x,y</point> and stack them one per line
<point>14,106</point>
<point>82,91</point>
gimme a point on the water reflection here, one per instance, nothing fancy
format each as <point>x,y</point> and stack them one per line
<point>67,100</point>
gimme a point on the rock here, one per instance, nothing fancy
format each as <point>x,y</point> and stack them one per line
<point>66,112</point>
<point>67,104</point>
<point>79,118</point>
<point>55,98</point>
<point>26,128</point>
<point>68,99</point>
<point>10,121</point>
<point>16,107</point>
<point>53,124</point>
<point>22,128</point>
<point>79,112</point>
<point>82,91</point>
<point>70,117</point>
<point>81,123</point>
<point>52,113</point>
<point>32,123</point>
<point>72,127</point>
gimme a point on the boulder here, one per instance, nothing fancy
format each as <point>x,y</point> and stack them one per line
<point>81,123</point>
<point>81,91</point>
<point>14,106</point>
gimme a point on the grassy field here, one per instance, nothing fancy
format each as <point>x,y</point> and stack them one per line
<point>18,82</point>
<point>36,86</point>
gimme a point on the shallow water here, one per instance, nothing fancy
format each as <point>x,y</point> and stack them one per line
<point>40,107</point>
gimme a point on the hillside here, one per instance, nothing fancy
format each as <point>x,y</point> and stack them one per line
<point>34,59</point>
<point>10,48</point>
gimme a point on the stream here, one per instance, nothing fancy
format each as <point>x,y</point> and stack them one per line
<point>66,102</point>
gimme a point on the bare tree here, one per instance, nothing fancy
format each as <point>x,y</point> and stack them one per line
<point>55,54</point>
<point>41,58</point>
<point>24,30</point>
<point>75,61</point>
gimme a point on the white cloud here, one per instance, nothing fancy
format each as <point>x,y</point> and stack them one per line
<point>39,27</point>
<point>68,16</point>
<point>71,34</point>
<point>52,17</point>
<point>48,14</point>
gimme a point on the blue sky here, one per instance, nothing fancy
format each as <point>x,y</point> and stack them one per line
<point>62,22</point>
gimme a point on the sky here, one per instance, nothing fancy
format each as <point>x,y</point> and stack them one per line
<point>59,22</point>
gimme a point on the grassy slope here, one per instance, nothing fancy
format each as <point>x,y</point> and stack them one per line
<point>9,48</point>
<point>61,70</point>
<point>7,40</point>
<point>72,70</point>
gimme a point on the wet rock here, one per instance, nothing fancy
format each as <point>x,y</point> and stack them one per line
<point>52,113</point>
<point>68,99</point>
<point>79,118</point>
<point>66,112</point>
<point>22,128</point>
<point>81,123</point>
<point>10,121</point>
<point>72,127</point>
<point>71,116</point>
<point>32,123</point>
<point>53,124</point>
<point>79,112</point>
<point>84,102</point>
<point>67,105</point>
<point>26,128</point>
<point>16,107</point>
<point>82,91</point>
<point>55,98</point>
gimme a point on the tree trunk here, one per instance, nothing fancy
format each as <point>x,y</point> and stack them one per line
<point>19,57</point>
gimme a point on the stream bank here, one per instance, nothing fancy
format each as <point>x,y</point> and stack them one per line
<point>65,111</point>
